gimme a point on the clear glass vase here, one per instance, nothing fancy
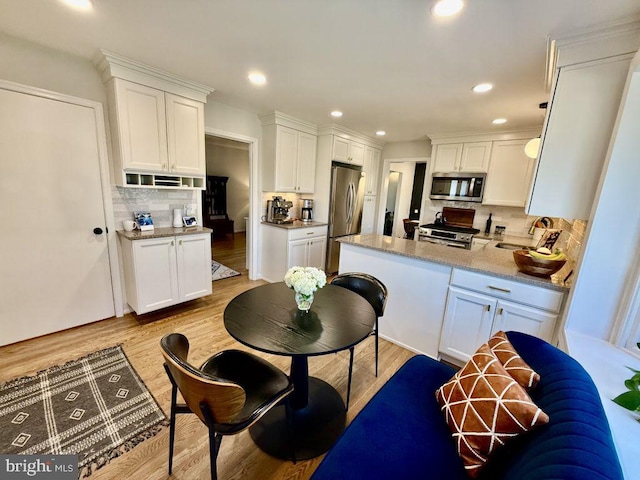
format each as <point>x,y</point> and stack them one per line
<point>304,301</point>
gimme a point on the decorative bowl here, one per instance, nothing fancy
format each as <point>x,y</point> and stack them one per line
<point>539,267</point>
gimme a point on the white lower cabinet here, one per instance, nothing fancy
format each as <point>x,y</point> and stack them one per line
<point>160,272</point>
<point>368,214</point>
<point>289,247</point>
<point>480,305</point>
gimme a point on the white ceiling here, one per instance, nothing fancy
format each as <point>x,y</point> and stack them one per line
<point>387,64</point>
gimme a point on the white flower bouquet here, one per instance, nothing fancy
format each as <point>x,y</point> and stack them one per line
<point>304,281</point>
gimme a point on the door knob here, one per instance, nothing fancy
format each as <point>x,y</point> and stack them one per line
<point>97,231</point>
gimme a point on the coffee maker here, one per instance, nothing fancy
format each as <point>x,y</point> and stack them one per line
<point>307,210</point>
<point>278,210</point>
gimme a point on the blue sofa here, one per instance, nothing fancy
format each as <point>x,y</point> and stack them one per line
<point>401,433</point>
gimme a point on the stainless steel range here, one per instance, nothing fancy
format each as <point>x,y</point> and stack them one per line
<point>453,227</point>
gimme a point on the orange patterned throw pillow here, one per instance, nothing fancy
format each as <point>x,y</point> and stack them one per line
<point>512,362</point>
<point>485,408</point>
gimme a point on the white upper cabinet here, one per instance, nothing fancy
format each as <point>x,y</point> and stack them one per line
<point>140,120</point>
<point>509,176</point>
<point>576,137</point>
<point>371,169</point>
<point>348,151</point>
<point>289,154</point>
<point>185,135</point>
<point>475,157</point>
<point>587,73</point>
<point>157,125</point>
<point>462,157</point>
<point>447,157</point>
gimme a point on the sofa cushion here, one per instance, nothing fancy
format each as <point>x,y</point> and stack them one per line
<point>485,408</point>
<point>512,361</point>
<point>400,434</point>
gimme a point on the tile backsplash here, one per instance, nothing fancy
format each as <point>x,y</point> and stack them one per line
<point>159,202</point>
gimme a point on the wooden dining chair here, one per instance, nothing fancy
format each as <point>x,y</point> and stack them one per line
<point>372,290</point>
<point>229,392</point>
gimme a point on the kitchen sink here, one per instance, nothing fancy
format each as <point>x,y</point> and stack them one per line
<point>512,246</point>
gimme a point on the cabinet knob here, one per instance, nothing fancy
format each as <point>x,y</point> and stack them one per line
<point>500,310</point>
<point>180,242</point>
<point>172,243</point>
<point>97,231</point>
<point>164,166</point>
<point>488,308</point>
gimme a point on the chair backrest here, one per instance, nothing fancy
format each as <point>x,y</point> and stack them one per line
<point>365,285</point>
<point>224,399</point>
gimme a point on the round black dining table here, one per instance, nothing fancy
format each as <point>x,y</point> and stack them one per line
<point>267,319</point>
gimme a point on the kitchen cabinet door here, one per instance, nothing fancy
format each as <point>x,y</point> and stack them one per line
<point>307,147</point>
<point>510,174</point>
<point>368,215</point>
<point>520,318</point>
<point>356,153</point>
<point>155,275</point>
<point>286,165</point>
<point>475,157</point>
<point>185,135</point>
<point>468,321</point>
<point>340,149</point>
<point>317,250</point>
<point>297,253</point>
<point>370,169</point>
<point>141,126</point>
<point>193,266</point>
<point>447,157</point>
<point>576,137</point>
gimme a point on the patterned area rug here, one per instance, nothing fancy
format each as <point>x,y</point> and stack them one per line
<point>96,407</point>
<point>219,271</point>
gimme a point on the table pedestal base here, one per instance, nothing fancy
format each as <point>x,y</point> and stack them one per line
<point>316,426</point>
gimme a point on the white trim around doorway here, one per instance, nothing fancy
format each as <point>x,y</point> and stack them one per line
<point>384,190</point>
<point>254,196</point>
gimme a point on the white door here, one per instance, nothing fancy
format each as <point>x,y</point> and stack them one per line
<point>340,149</point>
<point>317,250</point>
<point>306,162</point>
<point>356,153</point>
<point>142,126</point>
<point>194,266</point>
<point>467,323</point>
<point>475,157</point>
<point>185,135</point>
<point>509,176</point>
<point>286,159</point>
<point>447,157</point>
<point>55,270</point>
<point>156,273</point>
<point>297,255</point>
<point>519,318</point>
<point>368,214</point>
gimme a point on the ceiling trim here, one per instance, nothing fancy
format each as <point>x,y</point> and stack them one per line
<point>113,65</point>
<point>484,136</point>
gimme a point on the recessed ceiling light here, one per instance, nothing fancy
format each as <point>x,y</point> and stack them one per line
<point>499,121</point>
<point>79,4</point>
<point>447,8</point>
<point>336,113</point>
<point>257,78</point>
<point>381,133</point>
<point>482,87</point>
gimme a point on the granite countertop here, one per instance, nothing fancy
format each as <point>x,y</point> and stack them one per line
<point>295,224</point>
<point>487,259</point>
<point>163,232</point>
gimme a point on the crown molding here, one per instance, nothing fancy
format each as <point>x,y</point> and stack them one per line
<point>111,65</point>
<point>279,118</point>
<point>347,133</point>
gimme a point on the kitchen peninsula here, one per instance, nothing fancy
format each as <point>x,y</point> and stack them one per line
<point>445,301</point>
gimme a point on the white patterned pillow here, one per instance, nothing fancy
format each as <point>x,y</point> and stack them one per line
<point>485,408</point>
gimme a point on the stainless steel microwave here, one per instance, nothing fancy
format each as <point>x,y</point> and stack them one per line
<point>464,187</point>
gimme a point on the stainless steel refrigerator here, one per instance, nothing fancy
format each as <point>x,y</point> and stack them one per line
<point>345,209</point>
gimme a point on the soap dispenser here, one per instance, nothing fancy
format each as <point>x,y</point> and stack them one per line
<point>487,229</point>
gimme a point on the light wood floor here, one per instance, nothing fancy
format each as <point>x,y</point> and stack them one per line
<point>201,321</point>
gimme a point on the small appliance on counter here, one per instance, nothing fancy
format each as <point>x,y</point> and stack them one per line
<point>278,210</point>
<point>452,227</point>
<point>307,210</point>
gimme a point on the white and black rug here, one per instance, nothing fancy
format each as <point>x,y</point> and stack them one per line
<point>219,271</point>
<point>96,407</point>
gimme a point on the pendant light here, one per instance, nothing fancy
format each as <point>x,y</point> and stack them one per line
<point>532,147</point>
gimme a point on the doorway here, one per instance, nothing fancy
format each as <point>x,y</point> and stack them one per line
<point>406,194</point>
<point>391,207</point>
<point>226,200</point>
